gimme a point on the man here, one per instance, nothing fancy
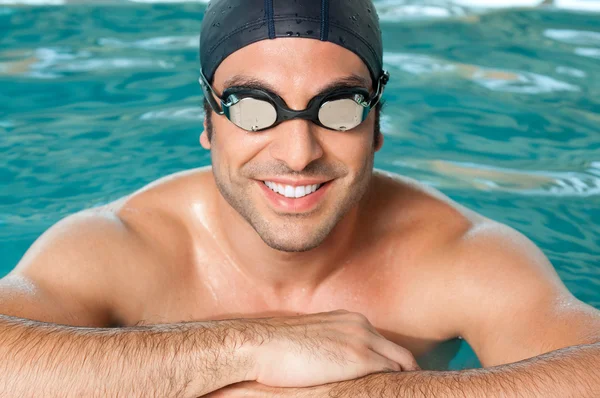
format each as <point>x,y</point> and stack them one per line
<point>289,268</point>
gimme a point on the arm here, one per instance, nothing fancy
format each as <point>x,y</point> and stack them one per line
<point>568,372</point>
<point>534,337</point>
<point>184,360</point>
<point>68,282</point>
<point>76,274</point>
<point>506,300</point>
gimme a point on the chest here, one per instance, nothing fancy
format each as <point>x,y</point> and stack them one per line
<point>393,308</point>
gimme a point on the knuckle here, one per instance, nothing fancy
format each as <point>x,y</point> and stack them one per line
<point>360,353</point>
<point>356,330</point>
<point>358,317</point>
<point>340,311</point>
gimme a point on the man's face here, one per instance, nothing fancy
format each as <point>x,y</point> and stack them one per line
<point>296,153</point>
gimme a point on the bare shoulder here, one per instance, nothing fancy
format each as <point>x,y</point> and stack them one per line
<point>405,204</point>
<point>485,281</point>
<point>67,275</point>
<point>418,229</point>
<point>468,242</point>
<point>92,264</point>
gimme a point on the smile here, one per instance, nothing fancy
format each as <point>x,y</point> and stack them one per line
<point>292,192</point>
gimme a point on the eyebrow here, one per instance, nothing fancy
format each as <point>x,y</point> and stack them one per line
<point>349,81</point>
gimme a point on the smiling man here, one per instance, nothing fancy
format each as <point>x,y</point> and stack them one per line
<point>289,268</point>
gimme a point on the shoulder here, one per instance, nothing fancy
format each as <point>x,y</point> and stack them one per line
<point>112,255</point>
<point>403,204</point>
<point>465,239</point>
<point>466,263</point>
<point>162,214</point>
<point>74,266</point>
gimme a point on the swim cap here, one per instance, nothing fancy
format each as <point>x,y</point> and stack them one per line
<point>229,25</point>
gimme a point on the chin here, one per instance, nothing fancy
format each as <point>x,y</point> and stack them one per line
<point>292,245</point>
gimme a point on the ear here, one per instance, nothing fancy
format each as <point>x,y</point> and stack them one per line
<point>380,140</point>
<point>204,141</point>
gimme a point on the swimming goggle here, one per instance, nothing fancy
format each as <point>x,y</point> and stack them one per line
<point>253,109</point>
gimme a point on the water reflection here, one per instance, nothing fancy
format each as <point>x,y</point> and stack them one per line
<point>493,79</point>
<point>48,63</point>
<point>458,175</point>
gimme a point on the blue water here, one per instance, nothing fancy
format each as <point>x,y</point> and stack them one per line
<point>498,109</point>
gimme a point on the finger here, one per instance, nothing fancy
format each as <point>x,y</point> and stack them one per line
<point>396,353</point>
<point>380,363</point>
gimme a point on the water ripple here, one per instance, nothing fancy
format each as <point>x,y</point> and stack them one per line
<point>565,70</point>
<point>398,10</point>
<point>588,52</point>
<point>175,114</point>
<point>55,62</point>
<point>153,44</point>
<point>468,175</point>
<point>521,82</point>
<point>391,10</point>
<point>493,79</point>
<point>577,37</point>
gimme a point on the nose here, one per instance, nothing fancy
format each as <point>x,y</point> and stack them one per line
<point>296,144</point>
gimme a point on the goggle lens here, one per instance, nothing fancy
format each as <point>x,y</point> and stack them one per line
<point>252,114</point>
<point>342,114</point>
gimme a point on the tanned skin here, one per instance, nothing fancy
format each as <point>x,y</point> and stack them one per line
<point>177,289</point>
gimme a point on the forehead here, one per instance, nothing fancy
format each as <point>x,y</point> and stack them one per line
<point>292,63</point>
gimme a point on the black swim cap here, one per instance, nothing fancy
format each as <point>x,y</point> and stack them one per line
<point>229,25</point>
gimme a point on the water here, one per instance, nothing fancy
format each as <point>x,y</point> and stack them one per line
<point>499,109</point>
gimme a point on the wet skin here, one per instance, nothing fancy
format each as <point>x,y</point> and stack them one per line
<point>206,244</point>
<point>389,276</point>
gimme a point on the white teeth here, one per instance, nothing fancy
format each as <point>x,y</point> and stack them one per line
<point>292,192</point>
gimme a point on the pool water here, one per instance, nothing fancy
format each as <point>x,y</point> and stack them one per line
<point>499,109</point>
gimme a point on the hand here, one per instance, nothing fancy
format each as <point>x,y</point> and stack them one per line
<point>323,348</point>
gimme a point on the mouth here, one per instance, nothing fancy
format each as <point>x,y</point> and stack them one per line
<point>288,197</point>
<point>293,192</point>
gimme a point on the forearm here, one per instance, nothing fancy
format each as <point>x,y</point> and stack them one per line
<point>168,360</point>
<point>569,372</point>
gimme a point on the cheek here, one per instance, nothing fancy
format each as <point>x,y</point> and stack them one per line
<point>233,147</point>
<point>352,147</point>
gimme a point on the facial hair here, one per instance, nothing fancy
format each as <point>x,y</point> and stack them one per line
<point>288,232</point>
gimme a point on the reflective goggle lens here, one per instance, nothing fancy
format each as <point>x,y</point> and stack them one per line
<point>341,114</point>
<point>252,114</point>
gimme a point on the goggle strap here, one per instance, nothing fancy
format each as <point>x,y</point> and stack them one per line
<point>210,94</point>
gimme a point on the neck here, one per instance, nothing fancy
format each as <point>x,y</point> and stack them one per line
<point>282,273</point>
